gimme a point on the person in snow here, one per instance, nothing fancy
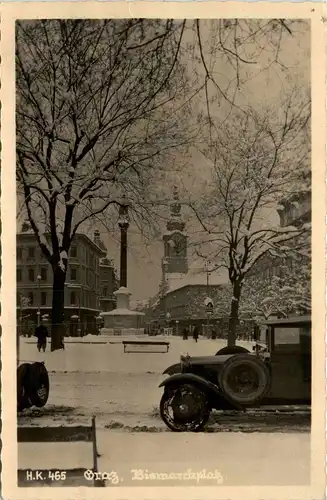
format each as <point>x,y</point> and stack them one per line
<point>185,333</point>
<point>196,333</point>
<point>41,334</point>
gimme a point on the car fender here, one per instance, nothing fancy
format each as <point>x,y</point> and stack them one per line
<point>172,369</point>
<point>208,386</point>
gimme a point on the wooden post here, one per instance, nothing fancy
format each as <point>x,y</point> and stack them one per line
<point>95,451</point>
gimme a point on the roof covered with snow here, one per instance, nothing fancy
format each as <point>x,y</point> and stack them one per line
<point>196,276</point>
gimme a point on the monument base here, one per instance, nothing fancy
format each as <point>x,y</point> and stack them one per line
<point>121,332</point>
<point>122,321</point>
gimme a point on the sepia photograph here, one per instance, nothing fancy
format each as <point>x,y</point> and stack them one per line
<point>164,327</point>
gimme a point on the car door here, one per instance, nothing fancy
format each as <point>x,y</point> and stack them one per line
<point>291,364</point>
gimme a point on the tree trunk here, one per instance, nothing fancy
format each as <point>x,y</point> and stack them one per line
<point>233,317</point>
<point>58,303</point>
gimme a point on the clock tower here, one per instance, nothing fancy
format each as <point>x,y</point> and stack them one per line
<point>175,241</point>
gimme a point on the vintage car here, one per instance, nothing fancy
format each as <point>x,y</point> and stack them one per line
<point>275,373</point>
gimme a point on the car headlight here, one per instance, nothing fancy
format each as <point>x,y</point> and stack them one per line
<point>185,361</point>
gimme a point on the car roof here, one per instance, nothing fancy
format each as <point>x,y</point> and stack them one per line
<point>296,320</point>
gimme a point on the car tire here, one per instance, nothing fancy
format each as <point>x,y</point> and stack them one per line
<point>39,384</point>
<point>244,379</point>
<point>23,396</point>
<point>195,423</point>
<point>234,349</point>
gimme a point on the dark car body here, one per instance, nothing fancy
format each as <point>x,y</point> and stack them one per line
<point>287,357</point>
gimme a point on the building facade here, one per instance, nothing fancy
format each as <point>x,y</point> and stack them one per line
<point>295,211</point>
<point>108,285</point>
<point>83,287</point>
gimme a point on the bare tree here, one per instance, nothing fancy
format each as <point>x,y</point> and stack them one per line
<point>258,159</point>
<point>94,113</point>
<point>230,54</point>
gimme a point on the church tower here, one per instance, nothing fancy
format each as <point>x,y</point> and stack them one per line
<point>175,241</point>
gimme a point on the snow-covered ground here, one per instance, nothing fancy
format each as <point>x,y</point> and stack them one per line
<point>239,459</point>
<point>122,391</point>
<point>100,379</point>
<point>106,354</point>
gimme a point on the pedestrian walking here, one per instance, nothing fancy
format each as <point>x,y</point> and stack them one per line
<point>196,333</point>
<point>213,334</point>
<point>41,334</point>
<point>185,333</point>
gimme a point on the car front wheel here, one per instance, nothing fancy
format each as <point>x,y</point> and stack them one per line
<point>184,408</point>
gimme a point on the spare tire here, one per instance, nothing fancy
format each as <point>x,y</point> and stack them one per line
<point>23,396</point>
<point>39,384</point>
<point>234,349</point>
<point>244,379</point>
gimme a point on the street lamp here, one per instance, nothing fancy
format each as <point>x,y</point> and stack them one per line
<point>209,307</point>
<point>39,301</point>
<point>208,300</point>
<point>74,317</point>
<point>168,316</point>
<point>99,323</point>
<point>164,283</point>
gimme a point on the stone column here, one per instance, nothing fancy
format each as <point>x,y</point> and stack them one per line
<point>123,223</point>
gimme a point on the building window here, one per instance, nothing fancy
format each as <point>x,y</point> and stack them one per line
<point>19,252</point>
<point>30,298</point>
<point>44,274</point>
<point>31,252</point>
<point>72,298</point>
<point>31,275</point>
<point>43,298</point>
<point>73,274</point>
<point>105,291</point>
<point>73,252</point>
<point>19,275</point>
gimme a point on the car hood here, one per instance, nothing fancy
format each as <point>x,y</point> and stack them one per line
<point>199,360</point>
<point>209,360</point>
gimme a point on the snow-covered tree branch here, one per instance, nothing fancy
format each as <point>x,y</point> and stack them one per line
<point>258,160</point>
<point>281,291</point>
<point>94,114</point>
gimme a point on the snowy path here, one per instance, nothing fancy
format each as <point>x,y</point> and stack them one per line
<point>130,402</point>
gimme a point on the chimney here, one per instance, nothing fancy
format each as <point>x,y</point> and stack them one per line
<point>96,237</point>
